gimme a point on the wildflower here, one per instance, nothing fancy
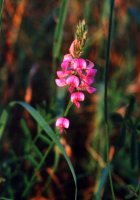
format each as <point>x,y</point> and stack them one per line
<point>62,123</point>
<point>73,82</point>
<point>76,73</point>
<point>79,63</point>
<point>76,97</point>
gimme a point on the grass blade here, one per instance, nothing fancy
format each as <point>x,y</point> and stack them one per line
<point>3,121</point>
<point>106,95</point>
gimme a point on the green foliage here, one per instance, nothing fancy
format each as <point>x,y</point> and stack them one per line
<point>50,133</point>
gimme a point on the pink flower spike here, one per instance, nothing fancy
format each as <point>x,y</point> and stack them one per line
<point>62,123</point>
<point>79,63</point>
<point>60,82</point>
<point>76,97</point>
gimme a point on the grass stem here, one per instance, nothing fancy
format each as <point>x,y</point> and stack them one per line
<point>106,95</point>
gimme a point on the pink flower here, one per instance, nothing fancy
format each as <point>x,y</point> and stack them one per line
<point>73,81</point>
<point>76,97</point>
<point>79,63</point>
<point>62,74</point>
<point>76,73</point>
<point>89,77</point>
<point>67,57</point>
<point>66,62</point>
<point>86,87</point>
<point>60,82</point>
<point>62,123</point>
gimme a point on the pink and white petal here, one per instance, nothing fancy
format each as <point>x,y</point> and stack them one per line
<point>77,104</point>
<point>79,63</point>
<point>71,89</point>
<point>65,65</point>
<point>66,123</point>
<point>67,57</point>
<point>59,121</point>
<point>60,82</point>
<point>62,74</point>
<point>73,80</point>
<point>62,123</point>
<point>77,96</point>
<point>81,96</point>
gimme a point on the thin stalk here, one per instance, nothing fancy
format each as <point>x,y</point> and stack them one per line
<point>67,109</point>
<point>106,95</point>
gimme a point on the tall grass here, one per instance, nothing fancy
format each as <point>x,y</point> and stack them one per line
<point>106,95</point>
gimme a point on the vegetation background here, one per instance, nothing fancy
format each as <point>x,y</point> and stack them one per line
<point>34,36</point>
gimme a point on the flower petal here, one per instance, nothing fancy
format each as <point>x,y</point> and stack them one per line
<point>65,65</point>
<point>76,97</point>
<point>79,63</point>
<point>60,82</point>
<point>91,90</point>
<point>67,57</point>
<point>73,81</point>
<point>62,74</point>
<point>62,123</point>
<point>91,72</point>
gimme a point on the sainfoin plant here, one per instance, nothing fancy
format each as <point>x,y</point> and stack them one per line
<point>77,73</point>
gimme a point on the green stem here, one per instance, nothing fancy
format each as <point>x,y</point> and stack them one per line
<point>67,109</point>
<point>106,95</point>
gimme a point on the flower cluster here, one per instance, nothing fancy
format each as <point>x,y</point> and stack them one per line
<point>77,74</point>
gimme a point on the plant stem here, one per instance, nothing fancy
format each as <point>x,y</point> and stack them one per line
<point>67,108</point>
<point>105,96</point>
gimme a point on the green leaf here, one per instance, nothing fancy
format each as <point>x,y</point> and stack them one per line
<point>3,121</point>
<point>45,126</point>
<point>59,28</point>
